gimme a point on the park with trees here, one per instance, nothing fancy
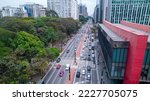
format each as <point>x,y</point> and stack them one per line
<point>29,45</point>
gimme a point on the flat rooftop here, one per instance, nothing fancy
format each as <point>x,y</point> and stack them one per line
<point>139,32</point>
<point>111,34</point>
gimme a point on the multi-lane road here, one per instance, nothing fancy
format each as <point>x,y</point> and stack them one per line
<point>80,50</point>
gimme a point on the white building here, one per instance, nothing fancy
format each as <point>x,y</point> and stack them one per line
<point>33,10</point>
<point>64,8</point>
<point>8,11</point>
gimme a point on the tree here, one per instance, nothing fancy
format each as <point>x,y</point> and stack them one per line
<point>28,46</point>
<point>52,36</point>
<point>6,36</point>
<point>53,53</point>
<point>14,71</point>
<point>83,19</point>
<point>51,13</point>
<point>17,24</point>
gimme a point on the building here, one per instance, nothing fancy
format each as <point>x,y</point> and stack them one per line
<point>136,11</point>
<point>96,14</point>
<point>33,10</point>
<point>64,8</point>
<point>1,14</point>
<point>83,10</point>
<point>43,12</point>
<point>126,50</point>
<point>9,11</point>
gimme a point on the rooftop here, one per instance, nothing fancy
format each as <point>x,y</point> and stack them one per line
<point>111,34</point>
<point>139,32</point>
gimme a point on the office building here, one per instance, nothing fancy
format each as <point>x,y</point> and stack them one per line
<point>136,11</point>
<point>33,10</point>
<point>64,8</point>
<point>96,14</point>
<point>83,10</point>
<point>126,50</point>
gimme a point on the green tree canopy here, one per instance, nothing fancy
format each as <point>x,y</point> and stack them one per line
<point>28,45</point>
<point>51,13</point>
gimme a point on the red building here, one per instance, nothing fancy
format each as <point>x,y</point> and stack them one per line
<point>126,51</point>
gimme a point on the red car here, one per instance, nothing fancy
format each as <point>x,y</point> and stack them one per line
<point>61,73</point>
<point>58,66</point>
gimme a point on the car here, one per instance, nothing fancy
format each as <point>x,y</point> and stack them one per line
<point>58,60</point>
<point>78,74</point>
<point>61,73</point>
<point>88,68</point>
<point>67,67</point>
<point>92,51</point>
<point>93,61</point>
<point>88,77</point>
<point>89,54</point>
<point>93,55</point>
<point>81,56</point>
<point>75,49</point>
<point>89,58</point>
<point>84,57</point>
<point>58,66</point>
<point>83,71</point>
<point>68,51</point>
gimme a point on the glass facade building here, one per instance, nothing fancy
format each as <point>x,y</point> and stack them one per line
<point>115,51</point>
<point>118,52</point>
<point>137,11</point>
<point>145,74</point>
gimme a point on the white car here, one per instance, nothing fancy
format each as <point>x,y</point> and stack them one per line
<point>88,76</point>
<point>81,55</point>
<point>83,72</point>
<point>67,66</point>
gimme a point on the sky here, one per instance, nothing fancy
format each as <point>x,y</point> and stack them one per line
<point>15,3</point>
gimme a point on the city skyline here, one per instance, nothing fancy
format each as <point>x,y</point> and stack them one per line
<point>15,3</point>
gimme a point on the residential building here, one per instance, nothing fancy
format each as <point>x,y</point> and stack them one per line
<point>83,10</point>
<point>9,11</point>
<point>137,11</point>
<point>33,10</point>
<point>126,50</point>
<point>64,8</point>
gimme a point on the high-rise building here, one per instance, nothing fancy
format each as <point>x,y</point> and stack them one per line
<point>33,10</point>
<point>83,10</point>
<point>126,50</point>
<point>137,11</point>
<point>96,14</point>
<point>1,15</point>
<point>64,8</point>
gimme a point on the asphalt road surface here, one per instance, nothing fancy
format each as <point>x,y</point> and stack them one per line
<point>52,76</point>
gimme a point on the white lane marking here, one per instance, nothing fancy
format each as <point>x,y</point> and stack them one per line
<point>51,75</point>
<point>67,61</point>
<point>70,42</point>
<point>70,46</point>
